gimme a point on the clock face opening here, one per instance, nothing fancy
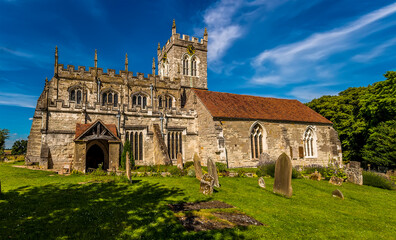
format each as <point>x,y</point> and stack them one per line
<point>191,50</point>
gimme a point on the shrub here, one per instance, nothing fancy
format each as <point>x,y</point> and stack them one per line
<point>99,171</point>
<point>241,172</point>
<point>191,171</point>
<point>176,172</point>
<point>221,167</point>
<point>188,164</point>
<point>376,180</point>
<point>266,170</point>
<point>296,173</point>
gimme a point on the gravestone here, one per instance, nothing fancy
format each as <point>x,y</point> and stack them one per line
<point>338,193</point>
<point>212,171</point>
<point>206,186</point>
<point>261,182</point>
<point>283,174</point>
<point>128,167</point>
<point>180,161</point>
<point>354,173</point>
<point>264,159</point>
<point>197,166</point>
<point>336,180</point>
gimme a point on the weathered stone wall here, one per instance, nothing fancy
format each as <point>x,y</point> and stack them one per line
<point>280,137</point>
<point>34,141</point>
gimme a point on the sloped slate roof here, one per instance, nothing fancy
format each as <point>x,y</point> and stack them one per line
<point>81,128</point>
<point>235,106</point>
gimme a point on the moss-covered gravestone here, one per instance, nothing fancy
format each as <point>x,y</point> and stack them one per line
<point>197,166</point>
<point>212,170</point>
<point>283,175</point>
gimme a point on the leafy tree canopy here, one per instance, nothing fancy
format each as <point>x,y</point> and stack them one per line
<point>364,118</point>
<point>19,147</point>
<point>4,134</point>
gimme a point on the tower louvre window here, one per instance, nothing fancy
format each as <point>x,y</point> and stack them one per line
<point>185,65</point>
<point>194,67</point>
<point>76,95</point>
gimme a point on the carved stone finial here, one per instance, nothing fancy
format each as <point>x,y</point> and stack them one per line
<point>126,62</point>
<point>206,35</point>
<point>96,58</point>
<point>46,83</point>
<point>153,66</point>
<point>56,51</point>
<point>174,27</point>
<point>56,61</point>
<point>159,46</point>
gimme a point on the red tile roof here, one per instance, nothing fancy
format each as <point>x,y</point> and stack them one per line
<point>81,128</point>
<point>235,106</point>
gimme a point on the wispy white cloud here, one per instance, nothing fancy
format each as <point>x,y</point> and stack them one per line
<point>303,60</point>
<point>309,92</point>
<point>222,30</point>
<point>15,52</point>
<point>17,99</point>
<point>375,52</point>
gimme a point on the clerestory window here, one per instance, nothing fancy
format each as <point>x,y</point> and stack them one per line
<point>165,102</point>
<point>139,100</point>
<point>110,98</point>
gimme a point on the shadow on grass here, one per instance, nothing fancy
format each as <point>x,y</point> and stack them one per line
<point>95,211</point>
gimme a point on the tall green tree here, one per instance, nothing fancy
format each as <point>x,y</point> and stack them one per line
<point>380,147</point>
<point>127,148</point>
<point>363,118</point>
<point>19,147</point>
<point>4,134</point>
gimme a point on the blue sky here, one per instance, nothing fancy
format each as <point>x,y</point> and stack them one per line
<point>289,49</point>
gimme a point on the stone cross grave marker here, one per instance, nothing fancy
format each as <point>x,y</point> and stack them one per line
<point>283,174</point>
<point>128,167</point>
<point>180,161</point>
<point>197,166</point>
<point>212,170</point>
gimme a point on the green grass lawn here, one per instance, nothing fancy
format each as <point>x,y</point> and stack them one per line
<point>36,205</point>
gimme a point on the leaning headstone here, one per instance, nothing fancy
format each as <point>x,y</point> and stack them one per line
<point>354,173</point>
<point>179,161</point>
<point>338,193</point>
<point>264,159</point>
<point>197,166</point>
<point>128,166</point>
<point>206,186</point>
<point>336,180</point>
<point>261,182</point>
<point>212,170</point>
<point>283,174</point>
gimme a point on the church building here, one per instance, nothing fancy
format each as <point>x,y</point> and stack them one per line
<point>84,117</point>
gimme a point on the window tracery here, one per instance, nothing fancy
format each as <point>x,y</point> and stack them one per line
<point>139,99</point>
<point>309,143</point>
<point>110,97</point>
<point>256,141</point>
